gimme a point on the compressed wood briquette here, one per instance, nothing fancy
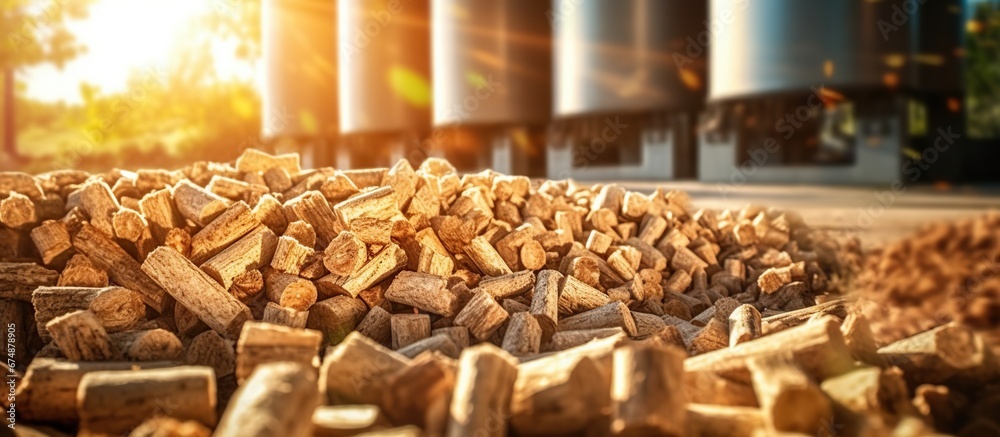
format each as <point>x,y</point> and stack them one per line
<point>345,254</point>
<point>47,393</point>
<point>483,389</point>
<point>197,291</point>
<point>612,315</point>
<point>422,291</point>
<point>290,291</point>
<point>148,345</point>
<point>355,371</point>
<point>81,272</point>
<point>262,343</point>
<point>251,252</point>
<point>81,337</point>
<point>336,317</point>
<point>789,399</point>
<point>647,391</point>
<point>482,315</point>
<point>576,297</point>
<point>115,402</point>
<point>235,222</point>
<point>523,336</point>
<point>212,350</point>
<point>116,308</point>
<point>409,328</point>
<point>121,267</point>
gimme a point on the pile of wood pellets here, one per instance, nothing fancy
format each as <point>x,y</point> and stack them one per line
<point>257,298</point>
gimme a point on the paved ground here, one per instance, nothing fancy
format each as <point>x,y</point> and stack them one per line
<point>875,213</point>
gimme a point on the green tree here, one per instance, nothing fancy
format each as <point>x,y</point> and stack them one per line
<point>35,33</point>
<point>983,70</point>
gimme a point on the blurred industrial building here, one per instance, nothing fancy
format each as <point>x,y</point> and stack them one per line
<point>759,91</point>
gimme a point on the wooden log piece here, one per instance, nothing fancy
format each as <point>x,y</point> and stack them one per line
<point>576,297</point>
<point>148,345</point>
<point>377,325</point>
<point>198,204</point>
<point>251,252</point>
<point>270,213</point>
<point>18,212</point>
<point>290,291</point>
<point>723,421</point>
<point>336,317</point>
<point>817,348</point>
<point>839,308</point>
<point>482,315</point>
<point>790,401</point>
<point>948,353</point>
<point>873,396</point>
<point>52,242</point>
<point>378,204</point>
<point>422,291</point>
<point>420,394</point>
<point>744,325</point>
<point>532,255</point>
<point>121,267</point>
<point>116,309</point>
<point>486,258</point>
<point>647,391</point>
<point>158,208</point>
<point>313,208</point>
<point>612,315</point>
<point>285,316</point>
<point>565,392</point>
<point>22,183</point>
<point>508,286</point>
<point>345,254</point>
<point>47,393</point>
<point>19,280</point>
<point>100,205</point>
<point>115,402</point>
<point>523,336</point>
<point>211,350</point>
<point>356,371</point>
<point>388,261</point>
<point>290,256</point>
<point>563,340</point>
<point>197,291</point>
<point>483,388</point>
<point>231,225</point>
<point>81,337</point>
<point>262,343</point>
<point>409,328</point>
<point>348,420</point>
<point>80,272</point>
<point>545,302</point>
<point>255,161</point>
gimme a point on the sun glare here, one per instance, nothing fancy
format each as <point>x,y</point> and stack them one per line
<point>121,36</point>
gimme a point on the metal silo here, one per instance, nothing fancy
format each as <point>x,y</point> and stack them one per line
<point>492,83</point>
<point>300,75</point>
<point>629,79</point>
<point>806,91</point>
<point>385,94</point>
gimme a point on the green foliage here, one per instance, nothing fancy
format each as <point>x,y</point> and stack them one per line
<point>983,71</point>
<point>166,117</point>
<point>34,31</point>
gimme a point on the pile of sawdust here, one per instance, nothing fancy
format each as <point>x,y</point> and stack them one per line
<point>944,272</point>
